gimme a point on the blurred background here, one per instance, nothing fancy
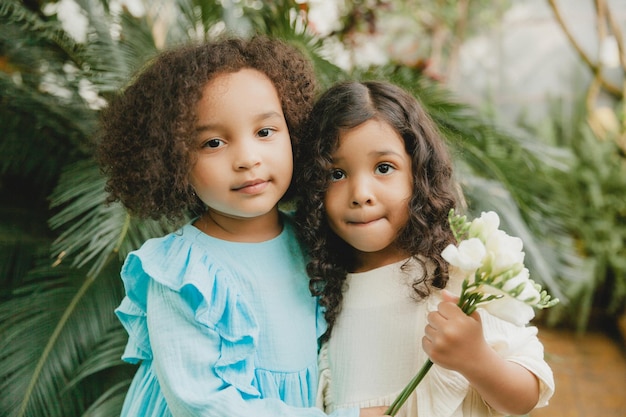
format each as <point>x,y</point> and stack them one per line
<point>528,93</point>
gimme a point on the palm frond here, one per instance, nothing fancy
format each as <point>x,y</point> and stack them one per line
<point>197,20</point>
<point>14,14</point>
<point>105,356</point>
<point>104,61</point>
<point>45,120</point>
<point>55,133</point>
<point>50,325</point>
<point>109,404</point>
<point>92,231</point>
<point>285,20</point>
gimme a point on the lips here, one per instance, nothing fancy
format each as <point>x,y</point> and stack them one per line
<point>252,187</point>
<point>363,222</point>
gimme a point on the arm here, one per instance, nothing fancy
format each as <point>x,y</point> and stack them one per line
<point>455,341</point>
<point>184,354</point>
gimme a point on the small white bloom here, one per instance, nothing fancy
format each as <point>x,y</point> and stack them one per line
<point>507,251</point>
<point>511,310</point>
<point>530,294</point>
<point>493,278</point>
<point>520,279</point>
<point>483,226</point>
<point>468,256</point>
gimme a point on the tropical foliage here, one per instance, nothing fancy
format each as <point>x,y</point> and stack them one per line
<point>62,247</point>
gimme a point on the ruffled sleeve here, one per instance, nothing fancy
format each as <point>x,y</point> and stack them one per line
<point>520,344</point>
<point>320,322</point>
<point>206,289</point>
<point>324,399</point>
<point>514,343</point>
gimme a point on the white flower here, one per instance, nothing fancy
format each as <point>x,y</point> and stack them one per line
<point>511,310</point>
<point>506,251</point>
<point>484,226</point>
<point>517,281</point>
<point>467,256</point>
<point>491,264</point>
<point>516,298</point>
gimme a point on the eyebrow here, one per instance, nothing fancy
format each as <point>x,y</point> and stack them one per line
<point>377,154</point>
<point>258,118</point>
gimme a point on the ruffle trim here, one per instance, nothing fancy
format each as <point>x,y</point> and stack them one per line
<point>320,321</point>
<point>173,261</point>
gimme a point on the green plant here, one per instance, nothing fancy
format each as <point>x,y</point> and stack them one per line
<point>594,207</point>
<point>62,248</point>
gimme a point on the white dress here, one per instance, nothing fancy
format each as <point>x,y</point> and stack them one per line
<point>375,349</point>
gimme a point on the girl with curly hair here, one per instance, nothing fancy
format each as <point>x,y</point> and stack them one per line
<point>218,313</point>
<point>376,186</point>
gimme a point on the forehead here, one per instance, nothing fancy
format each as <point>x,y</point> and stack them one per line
<point>244,92</point>
<point>371,133</point>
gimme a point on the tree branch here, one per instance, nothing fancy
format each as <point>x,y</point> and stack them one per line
<point>610,88</point>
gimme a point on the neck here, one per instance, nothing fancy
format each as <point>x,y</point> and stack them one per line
<point>366,261</point>
<point>240,229</point>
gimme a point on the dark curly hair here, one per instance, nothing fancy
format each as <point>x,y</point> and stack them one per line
<point>144,145</point>
<point>345,106</point>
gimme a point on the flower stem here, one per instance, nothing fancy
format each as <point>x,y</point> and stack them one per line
<point>406,392</point>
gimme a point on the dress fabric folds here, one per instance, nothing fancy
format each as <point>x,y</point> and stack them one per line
<point>220,327</point>
<point>375,349</point>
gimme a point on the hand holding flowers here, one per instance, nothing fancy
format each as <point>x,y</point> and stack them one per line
<point>492,264</point>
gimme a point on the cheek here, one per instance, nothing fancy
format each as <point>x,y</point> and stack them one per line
<point>330,208</point>
<point>192,178</point>
<point>282,157</point>
<point>205,175</point>
<point>402,213</point>
<point>196,177</point>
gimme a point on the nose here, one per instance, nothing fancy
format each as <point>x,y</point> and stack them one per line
<point>247,156</point>
<point>362,193</point>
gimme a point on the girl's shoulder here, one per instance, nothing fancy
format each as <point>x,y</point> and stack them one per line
<point>184,263</point>
<point>168,259</point>
<point>179,263</point>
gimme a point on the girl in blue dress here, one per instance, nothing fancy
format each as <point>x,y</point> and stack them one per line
<point>219,314</point>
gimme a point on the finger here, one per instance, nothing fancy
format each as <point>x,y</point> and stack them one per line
<point>435,319</point>
<point>448,309</point>
<point>429,331</point>
<point>427,345</point>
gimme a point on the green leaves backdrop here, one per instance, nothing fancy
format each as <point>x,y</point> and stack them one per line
<point>61,247</point>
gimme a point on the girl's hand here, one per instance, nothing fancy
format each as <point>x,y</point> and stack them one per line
<point>454,340</point>
<point>373,411</point>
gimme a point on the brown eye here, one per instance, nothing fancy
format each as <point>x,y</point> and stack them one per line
<point>384,169</point>
<point>213,143</point>
<point>265,132</point>
<point>336,175</point>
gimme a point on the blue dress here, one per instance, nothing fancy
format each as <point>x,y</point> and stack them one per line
<point>221,328</point>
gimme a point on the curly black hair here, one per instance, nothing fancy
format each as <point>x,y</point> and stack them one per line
<point>347,105</point>
<point>144,144</point>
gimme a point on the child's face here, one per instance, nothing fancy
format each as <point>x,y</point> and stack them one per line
<point>367,200</point>
<point>244,157</point>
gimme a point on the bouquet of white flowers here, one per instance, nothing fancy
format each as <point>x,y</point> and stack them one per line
<point>492,263</point>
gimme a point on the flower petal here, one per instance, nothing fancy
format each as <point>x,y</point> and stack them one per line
<point>483,226</point>
<point>467,256</point>
<point>511,310</point>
